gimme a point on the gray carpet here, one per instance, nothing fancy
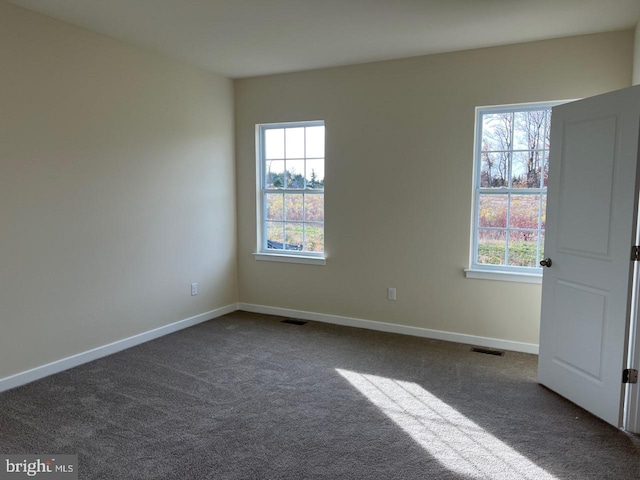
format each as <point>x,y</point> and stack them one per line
<point>245,396</point>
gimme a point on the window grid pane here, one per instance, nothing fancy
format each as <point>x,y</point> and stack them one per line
<point>491,247</point>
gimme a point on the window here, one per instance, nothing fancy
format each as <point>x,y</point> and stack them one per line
<point>510,188</point>
<point>291,190</point>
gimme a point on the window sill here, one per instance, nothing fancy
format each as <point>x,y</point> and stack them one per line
<point>279,257</point>
<point>518,277</point>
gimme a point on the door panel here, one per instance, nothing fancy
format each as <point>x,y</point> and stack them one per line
<point>586,309</point>
<point>591,218</point>
<point>585,193</point>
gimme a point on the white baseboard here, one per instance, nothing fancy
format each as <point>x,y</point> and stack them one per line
<point>37,373</point>
<point>42,371</point>
<point>393,328</point>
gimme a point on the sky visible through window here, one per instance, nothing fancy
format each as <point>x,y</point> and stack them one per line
<point>293,145</point>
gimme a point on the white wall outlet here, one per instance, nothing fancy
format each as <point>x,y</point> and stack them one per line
<point>391,293</point>
<point>194,289</point>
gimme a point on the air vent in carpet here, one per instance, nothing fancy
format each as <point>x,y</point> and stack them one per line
<point>488,351</point>
<point>293,321</point>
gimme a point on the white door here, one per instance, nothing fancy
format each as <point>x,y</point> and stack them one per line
<point>590,229</point>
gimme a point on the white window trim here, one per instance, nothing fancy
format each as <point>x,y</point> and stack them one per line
<point>288,256</point>
<point>504,276</point>
<point>285,258</point>
<point>497,272</point>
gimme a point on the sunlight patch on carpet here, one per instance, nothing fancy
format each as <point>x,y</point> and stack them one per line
<point>456,442</point>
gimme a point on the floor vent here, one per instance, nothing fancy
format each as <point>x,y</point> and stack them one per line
<point>293,321</point>
<point>488,351</point>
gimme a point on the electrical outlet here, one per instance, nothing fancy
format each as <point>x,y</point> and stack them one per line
<point>194,289</point>
<point>391,293</point>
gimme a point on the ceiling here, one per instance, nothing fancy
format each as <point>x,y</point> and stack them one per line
<point>243,38</point>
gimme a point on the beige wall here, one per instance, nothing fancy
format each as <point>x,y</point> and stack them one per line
<point>117,191</point>
<point>399,145</point>
<point>636,57</point>
<point>118,188</point>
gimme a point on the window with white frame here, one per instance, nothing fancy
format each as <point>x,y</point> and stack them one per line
<point>291,189</point>
<point>510,187</point>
